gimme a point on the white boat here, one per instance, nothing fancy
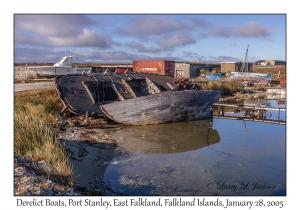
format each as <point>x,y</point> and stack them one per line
<point>62,67</point>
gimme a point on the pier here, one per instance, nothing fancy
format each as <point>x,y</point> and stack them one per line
<point>248,113</point>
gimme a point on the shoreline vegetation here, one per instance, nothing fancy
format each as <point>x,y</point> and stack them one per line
<point>33,138</point>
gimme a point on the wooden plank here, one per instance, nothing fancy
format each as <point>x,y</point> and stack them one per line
<point>167,106</point>
<point>128,88</point>
<point>151,86</point>
<point>89,92</point>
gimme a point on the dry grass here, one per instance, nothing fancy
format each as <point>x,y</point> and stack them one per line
<point>36,141</point>
<point>18,81</point>
<point>33,138</point>
<point>226,87</point>
<point>44,104</point>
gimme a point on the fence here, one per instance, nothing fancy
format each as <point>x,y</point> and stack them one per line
<point>21,73</point>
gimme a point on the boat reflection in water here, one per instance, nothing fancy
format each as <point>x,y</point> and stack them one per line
<point>167,138</point>
<point>155,159</point>
<point>134,144</point>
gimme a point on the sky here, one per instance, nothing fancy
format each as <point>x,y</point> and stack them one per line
<point>122,38</point>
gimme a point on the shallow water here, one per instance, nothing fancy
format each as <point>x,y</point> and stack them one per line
<point>207,157</point>
<point>218,161</point>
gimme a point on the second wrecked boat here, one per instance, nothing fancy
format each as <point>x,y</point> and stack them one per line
<point>136,98</point>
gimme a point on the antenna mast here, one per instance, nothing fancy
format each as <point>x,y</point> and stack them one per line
<point>245,63</point>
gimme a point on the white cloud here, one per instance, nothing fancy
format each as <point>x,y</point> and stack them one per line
<point>175,40</point>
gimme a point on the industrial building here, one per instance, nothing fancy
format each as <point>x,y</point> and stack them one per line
<point>190,69</point>
<point>227,67</point>
<point>270,63</point>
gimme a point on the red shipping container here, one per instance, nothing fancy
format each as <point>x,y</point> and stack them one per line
<point>162,67</point>
<point>282,80</point>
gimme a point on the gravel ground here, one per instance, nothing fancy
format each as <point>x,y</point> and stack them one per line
<point>32,86</point>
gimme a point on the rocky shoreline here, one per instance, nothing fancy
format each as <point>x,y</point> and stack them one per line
<point>29,180</point>
<point>32,178</point>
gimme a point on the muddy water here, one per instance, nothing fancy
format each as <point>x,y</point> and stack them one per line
<point>208,157</point>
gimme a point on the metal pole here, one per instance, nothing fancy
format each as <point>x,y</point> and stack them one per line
<point>26,72</point>
<point>222,111</point>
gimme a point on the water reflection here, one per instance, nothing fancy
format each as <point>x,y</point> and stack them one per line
<point>88,160</point>
<point>168,138</point>
<point>191,159</point>
<point>91,160</point>
<point>259,102</point>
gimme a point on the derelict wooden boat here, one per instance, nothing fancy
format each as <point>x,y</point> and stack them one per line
<point>135,98</point>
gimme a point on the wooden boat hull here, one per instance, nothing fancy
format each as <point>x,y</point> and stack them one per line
<point>165,107</point>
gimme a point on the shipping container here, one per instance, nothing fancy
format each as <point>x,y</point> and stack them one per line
<point>162,67</point>
<point>282,80</point>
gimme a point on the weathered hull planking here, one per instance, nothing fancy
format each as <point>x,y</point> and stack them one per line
<point>165,107</point>
<point>136,98</point>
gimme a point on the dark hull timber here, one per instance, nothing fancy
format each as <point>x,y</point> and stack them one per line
<point>165,107</point>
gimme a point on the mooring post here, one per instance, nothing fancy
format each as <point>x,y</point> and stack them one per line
<point>222,111</point>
